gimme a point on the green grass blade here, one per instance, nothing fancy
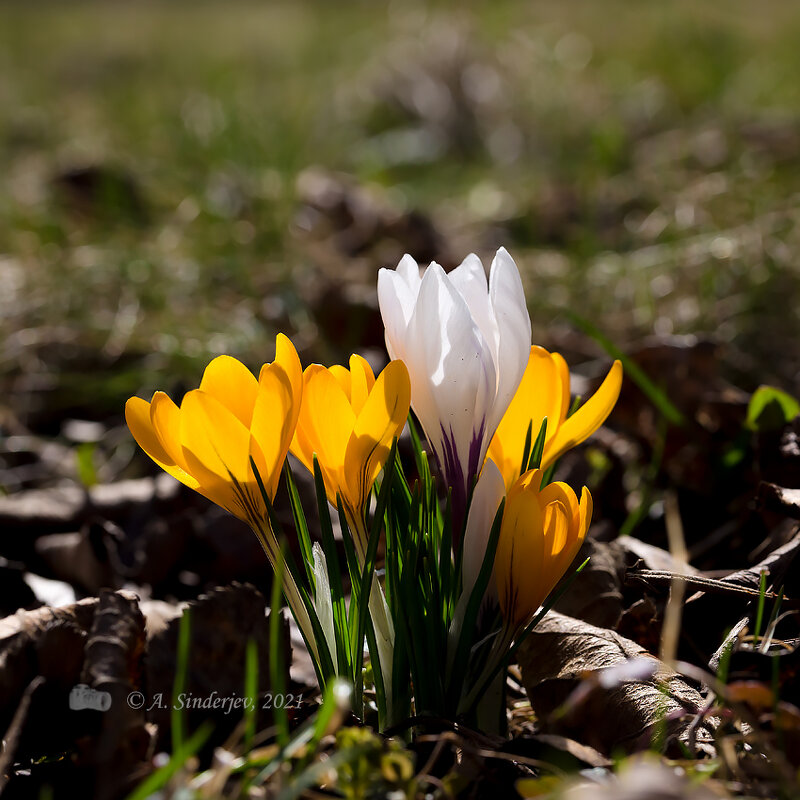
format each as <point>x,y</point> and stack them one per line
<point>467,633</point>
<point>250,693</point>
<point>179,686</point>
<point>277,661</point>
<point>537,451</point>
<point>152,785</point>
<point>300,523</point>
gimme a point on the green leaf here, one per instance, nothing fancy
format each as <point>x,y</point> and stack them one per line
<point>343,655</point>
<point>770,408</point>
<point>300,524</point>
<point>537,451</point>
<point>277,662</point>
<point>324,669</point>
<point>251,693</point>
<point>469,625</point>
<point>178,687</point>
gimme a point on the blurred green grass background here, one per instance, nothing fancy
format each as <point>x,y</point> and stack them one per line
<point>183,179</point>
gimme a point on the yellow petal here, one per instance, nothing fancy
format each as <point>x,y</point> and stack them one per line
<point>381,419</point>
<point>588,418</point>
<point>362,379</point>
<point>562,370</point>
<point>216,446</point>
<point>286,357</point>
<point>273,425</point>
<point>558,499</point>
<point>540,394</point>
<point>137,415</point>
<point>556,523</point>
<point>324,426</point>
<point>581,518</point>
<point>585,513</point>
<point>520,555</point>
<point>233,385</point>
<point>342,375</point>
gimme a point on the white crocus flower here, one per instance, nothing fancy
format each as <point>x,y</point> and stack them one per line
<point>466,345</point>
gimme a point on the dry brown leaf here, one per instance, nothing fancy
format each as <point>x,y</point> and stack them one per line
<point>562,652</point>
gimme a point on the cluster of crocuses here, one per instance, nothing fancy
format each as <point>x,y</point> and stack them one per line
<point>470,557</point>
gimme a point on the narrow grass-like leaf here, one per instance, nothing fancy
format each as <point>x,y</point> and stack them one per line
<point>177,718</point>
<point>368,573</point>
<point>157,780</point>
<point>537,450</point>
<point>343,653</point>
<point>277,661</point>
<point>762,591</point>
<point>467,633</point>
<point>324,668</point>
<point>526,450</point>
<point>300,523</point>
<point>250,693</point>
<point>318,771</point>
<point>416,442</point>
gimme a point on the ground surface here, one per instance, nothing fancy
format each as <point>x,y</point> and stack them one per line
<point>182,180</point>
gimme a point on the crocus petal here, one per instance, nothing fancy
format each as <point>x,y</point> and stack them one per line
<point>165,416</point>
<point>230,382</point>
<point>324,426</point>
<point>397,295</point>
<point>539,395</point>
<point>513,324</point>
<point>541,533</point>
<point>489,492</point>
<point>560,494</point>
<point>465,344</point>
<point>520,555</point>
<point>342,375</point>
<point>381,420</point>
<point>562,370</point>
<point>137,415</point>
<point>216,447</point>
<point>454,381</point>
<point>469,280</point>
<point>273,425</point>
<point>362,379</point>
<point>588,418</point>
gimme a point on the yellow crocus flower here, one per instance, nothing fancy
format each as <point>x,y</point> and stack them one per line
<point>545,392</point>
<point>540,535</point>
<point>349,419</point>
<point>207,442</point>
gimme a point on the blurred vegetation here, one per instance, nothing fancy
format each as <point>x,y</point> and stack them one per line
<point>158,206</point>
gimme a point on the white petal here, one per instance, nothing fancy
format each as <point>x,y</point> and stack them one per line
<point>396,302</point>
<point>507,299</point>
<point>459,367</point>
<point>469,279</point>
<point>489,491</point>
<point>408,269</point>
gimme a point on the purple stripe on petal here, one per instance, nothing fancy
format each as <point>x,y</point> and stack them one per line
<point>453,473</point>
